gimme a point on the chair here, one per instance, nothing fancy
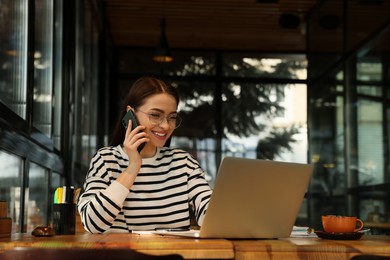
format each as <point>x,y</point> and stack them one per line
<point>81,254</point>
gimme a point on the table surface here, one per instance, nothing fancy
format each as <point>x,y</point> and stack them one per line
<point>285,248</point>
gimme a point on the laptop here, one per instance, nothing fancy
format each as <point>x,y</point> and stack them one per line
<point>253,199</point>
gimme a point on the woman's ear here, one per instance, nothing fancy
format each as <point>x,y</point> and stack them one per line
<point>128,108</point>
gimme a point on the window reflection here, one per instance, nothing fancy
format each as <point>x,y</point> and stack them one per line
<point>36,197</point>
<point>370,168</point>
<point>13,55</point>
<point>57,73</point>
<point>10,185</point>
<point>43,67</point>
<point>265,121</point>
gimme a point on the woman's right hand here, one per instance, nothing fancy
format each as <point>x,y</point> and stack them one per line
<point>133,138</point>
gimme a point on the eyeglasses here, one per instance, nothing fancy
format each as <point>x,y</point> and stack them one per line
<point>157,118</point>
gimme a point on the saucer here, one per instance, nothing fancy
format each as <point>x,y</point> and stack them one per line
<point>339,236</point>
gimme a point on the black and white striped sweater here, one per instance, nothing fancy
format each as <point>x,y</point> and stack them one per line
<point>167,185</point>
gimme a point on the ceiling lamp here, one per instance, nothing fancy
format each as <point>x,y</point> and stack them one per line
<point>162,52</point>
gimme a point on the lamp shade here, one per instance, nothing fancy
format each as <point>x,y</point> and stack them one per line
<point>162,52</point>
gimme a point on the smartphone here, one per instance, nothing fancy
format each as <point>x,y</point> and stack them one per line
<point>125,121</point>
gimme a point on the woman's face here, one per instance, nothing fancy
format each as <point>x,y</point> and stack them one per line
<point>154,107</point>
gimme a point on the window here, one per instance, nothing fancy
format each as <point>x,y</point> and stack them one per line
<point>43,67</point>
<point>13,55</point>
<point>11,185</point>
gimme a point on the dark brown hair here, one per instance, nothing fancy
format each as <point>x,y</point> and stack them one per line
<point>138,93</point>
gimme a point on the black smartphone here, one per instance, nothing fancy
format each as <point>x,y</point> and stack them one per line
<point>125,121</point>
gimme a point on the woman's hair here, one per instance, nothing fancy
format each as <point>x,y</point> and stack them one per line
<point>142,89</point>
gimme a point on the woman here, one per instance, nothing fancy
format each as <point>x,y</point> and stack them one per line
<point>128,190</point>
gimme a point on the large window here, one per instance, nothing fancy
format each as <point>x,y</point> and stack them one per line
<point>248,105</point>
<point>27,101</point>
<point>349,117</point>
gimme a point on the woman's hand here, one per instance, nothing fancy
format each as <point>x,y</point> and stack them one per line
<point>133,139</point>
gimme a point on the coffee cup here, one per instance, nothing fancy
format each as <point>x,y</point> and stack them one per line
<point>341,224</point>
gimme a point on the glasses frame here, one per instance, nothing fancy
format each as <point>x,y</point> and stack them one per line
<point>178,120</point>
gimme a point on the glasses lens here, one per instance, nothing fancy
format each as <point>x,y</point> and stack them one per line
<point>177,121</point>
<point>156,119</point>
<point>174,121</point>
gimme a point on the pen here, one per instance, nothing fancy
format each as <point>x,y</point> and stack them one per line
<point>59,194</point>
<point>64,191</point>
<point>56,196</point>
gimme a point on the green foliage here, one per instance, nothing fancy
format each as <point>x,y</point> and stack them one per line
<point>247,106</point>
<point>278,140</point>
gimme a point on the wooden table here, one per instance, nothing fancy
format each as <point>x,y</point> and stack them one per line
<point>149,244</point>
<point>311,248</point>
<point>288,248</point>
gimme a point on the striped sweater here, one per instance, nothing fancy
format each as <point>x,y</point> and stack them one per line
<point>167,185</point>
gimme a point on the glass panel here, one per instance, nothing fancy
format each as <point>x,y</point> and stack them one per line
<point>10,186</point>
<point>43,67</point>
<point>57,104</point>
<point>87,111</point>
<point>327,136</point>
<point>37,197</point>
<point>387,147</point>
<point>13,55</point>
<point>370,90</point>
<point>369,70</point>
<point>370,149</point>
<point>336,170</point>
<point>372,76</point>
<point>265,66</point>
<point>197,132</point>
<point>374,212</point>
<point>266,121</point>
<point>56,181</point>
<point>327,149</point>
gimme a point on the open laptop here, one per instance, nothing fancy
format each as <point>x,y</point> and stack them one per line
<point>253,199</point>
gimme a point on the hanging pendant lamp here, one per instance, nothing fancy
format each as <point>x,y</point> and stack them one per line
<point>162,52</point>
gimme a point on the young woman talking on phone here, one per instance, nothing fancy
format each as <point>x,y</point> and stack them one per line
<point>126,189</point>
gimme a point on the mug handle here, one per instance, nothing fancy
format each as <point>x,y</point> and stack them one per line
<point>360,225</point>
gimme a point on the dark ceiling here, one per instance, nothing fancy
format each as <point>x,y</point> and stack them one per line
<point>248,25</point>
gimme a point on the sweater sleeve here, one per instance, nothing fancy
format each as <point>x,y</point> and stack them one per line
<point>103,197</point>
<point>199,190</point>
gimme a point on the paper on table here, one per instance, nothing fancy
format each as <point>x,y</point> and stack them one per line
<point>298,231</point>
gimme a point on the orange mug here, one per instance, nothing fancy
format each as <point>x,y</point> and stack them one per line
<point>341,224</point>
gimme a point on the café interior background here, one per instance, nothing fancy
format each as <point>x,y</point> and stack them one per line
<point>301,81</point>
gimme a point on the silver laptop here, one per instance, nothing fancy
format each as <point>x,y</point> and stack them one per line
<point>253,199</point>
